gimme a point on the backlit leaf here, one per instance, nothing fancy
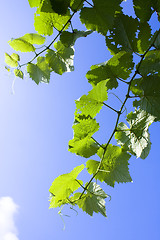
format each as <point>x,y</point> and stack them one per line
<point>82,144</point>
<point>64,185</point>
<point>150,100</point>
<point>69,38</point>
<point>61,60</point>
<point>92,103</point>
<point>34,38</point>
<point>10,60</point>
<point>92,201</point>
<point>18,73</point>
<point>119,66</point>
<point>100,17</point>
<point>20,44</point>
<point>44,22</point>
<point>123,35</point>
<point>113,168</point>
<point>135,138</point>
<point>39,72</point>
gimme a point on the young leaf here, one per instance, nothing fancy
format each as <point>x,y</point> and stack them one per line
<point>82,144</point>
<point>64,185</point>
<point>92,201</point>
<point>34,38</point>
<point>44,22</point>
<point>62,60</point>
<point>20,44</point>
<point>151,95</point>
<point>100,17</point>
<point>123,35</point>
<point>92,103</point>
<point>18,73</point>
<point>135,139</point>
<point>39,72</point>
<point>34,3</point>
<point>11,60</point>
<point>113,168</point>
<point>119,66</point>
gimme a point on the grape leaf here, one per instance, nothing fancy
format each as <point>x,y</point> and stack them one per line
<point>18,73</point>
<point>100,17</point>
<point>151,63</point>
<point>44,22</point>
<point>60,6</point>
<point>143,9</point>
<point>113,167</point>
<point>119,65</point>
<point>12,60</point>
<point>144,37</point>
<point>62,60</point>
<point>20,44</point>
<point>39,72</point>
<point>157,41</point>
<point>34,38</point>
<point>135,139</point>
<point>76,5</point>
<point>63,186</point>
<point>82,144</point>
<point>92,201</point>
<point>34,3</point>
<point>151,95</point>
<point>122,37</point>
<point>135,87</point>
<point>69,38</point>
<point>92,103</point>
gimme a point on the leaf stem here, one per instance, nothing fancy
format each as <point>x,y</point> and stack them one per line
<point>110,107</point>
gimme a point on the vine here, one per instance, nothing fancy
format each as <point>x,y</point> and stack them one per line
<point>126,37</point>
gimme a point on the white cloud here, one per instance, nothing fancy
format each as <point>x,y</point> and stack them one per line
<point>8,209</point>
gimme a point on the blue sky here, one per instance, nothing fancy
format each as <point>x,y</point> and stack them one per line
<point>35,127</point>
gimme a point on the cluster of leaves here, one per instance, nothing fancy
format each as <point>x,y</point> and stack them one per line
<point>127,39</point>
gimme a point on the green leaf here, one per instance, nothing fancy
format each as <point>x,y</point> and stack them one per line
<point>143,9</point>
<point>76,5</point>
<point>63,186</point>
<point>92,103</point>
<point>34,38</point>
<point>119,66</point>
<point>135,138</point>
<point>34,3</point>
<point>151,63</point>
<point>100,17</point>
<point>62,60</point>
<point>82,144</point>
<point>92,201</point>
<point>39,72</point>
<point>122,37</point>
<point>12,60</point>
<point>113,167</point>
<point>151,95</point>
<point>60,6</point>
<point>136,87</point>
<point>18,73</point>
<point>144,36</point>
<point>157,41</point>
<point>19,44</point>
<point>69,38</point>
<point>44,22</point>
